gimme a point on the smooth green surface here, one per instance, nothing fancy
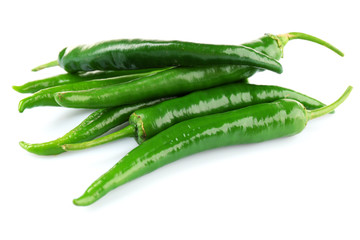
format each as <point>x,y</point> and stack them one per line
<point>180,80</point>
<point>152,120</point>
<point>168,83</point>
<point>93,126</point>
<point>138,53</point>
<point>247,125</point>
<point>45,97</point>
<point>253,124</point>
<point>265,44</point>
<point>147,122</point>
<point>127,131</point>
<point>268,45</point>
<point>67,78</point>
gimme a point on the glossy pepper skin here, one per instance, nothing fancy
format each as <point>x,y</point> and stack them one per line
<point>147,122</point>
<point>251,124</point>
<point>45,97</point>
<point>94,125</point>
<point>151,120</point>
<point>139,53</point>
<point>180,79</point>
<point>173,82</point>
<point>266,44</point>
<point>67,78</point>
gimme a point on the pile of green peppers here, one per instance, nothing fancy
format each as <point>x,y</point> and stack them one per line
<point>179,98</point>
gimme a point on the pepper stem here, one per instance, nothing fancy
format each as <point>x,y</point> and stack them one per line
<point>46,65</point>
<point>327,109</point>
<point>128,131</point>
<point>283,39</point>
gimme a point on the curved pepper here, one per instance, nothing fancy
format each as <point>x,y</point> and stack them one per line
<point>173,82</point>
<point>181,80</point>
<point>67,78</point>
<point>45,97</point>
<point>252,124</point>
<point>147,122</point>
<point>139,53</point>
<point>93,126</point>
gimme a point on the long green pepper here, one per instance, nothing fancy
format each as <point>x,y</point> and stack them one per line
<point>147,122</point>
<point>180,80</point>
<point>67,78</point>
<point>45,97</point>
<point>252,124</point>
<point>173,82</point>
<point>138,54</point>
<point>268,44</point>
<point>96,124</point>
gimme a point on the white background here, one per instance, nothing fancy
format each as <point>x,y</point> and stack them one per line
<point>301,187</point>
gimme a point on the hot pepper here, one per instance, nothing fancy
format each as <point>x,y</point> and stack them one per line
<point>147,122</point>
<point>180,80</point>
<point>268,44</point>
<point>173,82</point>
<point>251,124</point>
<point>138,54</point>
<point>45,97</point>
<point>93,126</point>
<point>67,78</point>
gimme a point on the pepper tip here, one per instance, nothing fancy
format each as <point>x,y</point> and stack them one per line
<point>81,201</point>
<point>21,107</point>
<point>16,88</point>
<point>24,145</point>
<point>75,202</point>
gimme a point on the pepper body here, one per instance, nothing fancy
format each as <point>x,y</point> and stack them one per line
<point>45,97</point>
<point>138,53</point>
<point>268,44</point>
<point>247,125</point>
<point>265,44</point>
<point>257,123</point>
<point>93,126</point>
<point>67,78</point>
<point>151,120</point>
<point>173,82</point>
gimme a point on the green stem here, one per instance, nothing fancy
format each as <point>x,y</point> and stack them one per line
<point>327,109</point>
<point>46,65</point>
<point>128,131</point>
<point>284,38</point>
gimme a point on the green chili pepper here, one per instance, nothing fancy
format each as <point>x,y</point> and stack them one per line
<point>251,124</point>
<point>45,97</point>
<point>173,82</point>
<point>268,44</point>
<point>93,126</point>
<point>180,80</point>
<point>147,122</point>
<point>138,54</point>
<point>62,79</point>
